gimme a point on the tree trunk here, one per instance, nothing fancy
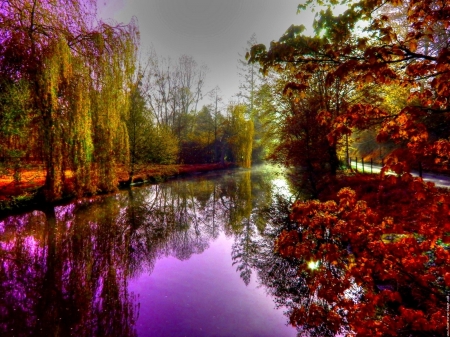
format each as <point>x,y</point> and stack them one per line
<point>333,159</point>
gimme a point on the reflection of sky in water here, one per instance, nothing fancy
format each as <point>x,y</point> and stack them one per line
<point>281,187</point>
<point>183,241</point>
<point>204,296</point>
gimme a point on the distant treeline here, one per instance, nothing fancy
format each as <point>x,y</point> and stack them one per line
<point>75,98</point>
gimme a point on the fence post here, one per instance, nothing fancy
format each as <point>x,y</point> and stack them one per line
<point>371,166</point>
<point>362,163</point>
<point>356,161</point>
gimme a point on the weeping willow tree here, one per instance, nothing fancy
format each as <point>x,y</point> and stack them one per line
<point>241,133</point>
<point>80,131</point>
<point>77,72</point>
<point>54,86</point>
<point>110,100</point>
<point>85,103</point>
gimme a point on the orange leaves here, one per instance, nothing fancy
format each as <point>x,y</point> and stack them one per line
<point>393,260</point>
<point>396,2</point>
<point>291,87</point>
<point>368,78</point>
<point>402,261</point>
<point>412,45</point>
<point>347,199</point>
<point>285,243</point>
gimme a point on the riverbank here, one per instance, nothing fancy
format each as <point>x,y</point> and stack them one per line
<point>16,196</point>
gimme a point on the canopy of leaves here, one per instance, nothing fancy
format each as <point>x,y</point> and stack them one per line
<point>365,45</point>
<point>385,66</point>
<point>72,73</point>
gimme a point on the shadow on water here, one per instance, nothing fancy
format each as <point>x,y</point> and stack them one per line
<point>66,271</point>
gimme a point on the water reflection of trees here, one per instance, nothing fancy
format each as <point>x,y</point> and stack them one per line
<point>279,275</point>
<point>62,274</point>
<point>65,271</point>
<point>323,302</point>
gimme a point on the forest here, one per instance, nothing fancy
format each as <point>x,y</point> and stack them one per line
<point>78,99</point>
<point>373,81</point>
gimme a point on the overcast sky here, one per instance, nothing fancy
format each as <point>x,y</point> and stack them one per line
<point>214,32</point>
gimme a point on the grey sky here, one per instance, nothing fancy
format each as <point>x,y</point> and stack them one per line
<point>214,32</point>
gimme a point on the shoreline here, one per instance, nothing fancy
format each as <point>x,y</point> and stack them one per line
<point>27,197</point>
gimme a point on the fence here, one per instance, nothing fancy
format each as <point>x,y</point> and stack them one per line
<point>365,167</point>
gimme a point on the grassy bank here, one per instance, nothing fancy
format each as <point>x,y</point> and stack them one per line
<point>22,195</point>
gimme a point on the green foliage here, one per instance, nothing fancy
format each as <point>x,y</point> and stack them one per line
<point>15,126</point>
<point>204,126</point>
<point>239,132</point>
<point>163,146</point>
<point>139,127</point>
<point>15,112</point>
<point>112,104</point>
<point>77,77</point>
<point>267,121</point>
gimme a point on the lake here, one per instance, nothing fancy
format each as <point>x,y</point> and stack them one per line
<point>187,257</point>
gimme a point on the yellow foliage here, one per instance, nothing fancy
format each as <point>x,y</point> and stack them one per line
<point>242,132</point>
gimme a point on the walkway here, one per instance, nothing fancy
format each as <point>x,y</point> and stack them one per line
<point>439,180</point>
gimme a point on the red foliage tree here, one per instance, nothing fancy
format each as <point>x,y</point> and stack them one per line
<point>418,58</point>
<point>382,270</point>
<point>382,254</point>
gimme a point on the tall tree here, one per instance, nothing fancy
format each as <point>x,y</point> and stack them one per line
<point>350,251</point>
<point>250,82</point>
<point>139,126</point>
<point>76,70</point>
<point>176,90</point>
<point>250,77</point>
<point>239,135</point>
<point>314,111</point>
<point>380,56</point>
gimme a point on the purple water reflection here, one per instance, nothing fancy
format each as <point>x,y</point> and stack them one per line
<point>65,271</point>
<point>204,296</point>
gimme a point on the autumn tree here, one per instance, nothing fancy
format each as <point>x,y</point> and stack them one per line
<point>381,56</point>
<point>76,71</point>
<point>361,272</point>
<point>315,114</point>
<point>369,265</point>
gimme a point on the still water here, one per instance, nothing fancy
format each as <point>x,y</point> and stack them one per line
<point>188,257</point>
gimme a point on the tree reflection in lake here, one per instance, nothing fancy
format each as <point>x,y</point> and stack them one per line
<point>65,271</point>
<point>280,276</point>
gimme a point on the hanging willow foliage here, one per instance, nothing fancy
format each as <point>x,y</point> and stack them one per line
<point>78,79</point>
<point>80,136</point>
<point>55,79</point>
<point>84,117</point>
<point>110,97</point>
